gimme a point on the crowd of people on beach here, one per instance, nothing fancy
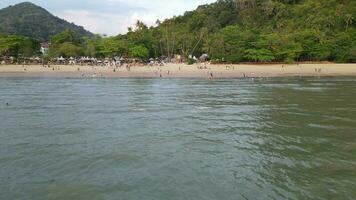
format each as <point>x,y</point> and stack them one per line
<point>98,67</point>
<point>88,61</point>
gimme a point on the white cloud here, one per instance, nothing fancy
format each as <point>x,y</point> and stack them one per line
<point>107,23</point>
<point>122,13</point>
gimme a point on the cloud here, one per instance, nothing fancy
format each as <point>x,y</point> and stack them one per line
<point>107,23</point>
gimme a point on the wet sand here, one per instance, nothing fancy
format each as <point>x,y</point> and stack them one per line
<point>181,70</point>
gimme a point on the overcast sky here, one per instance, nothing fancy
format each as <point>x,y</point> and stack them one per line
<point>113,16</point>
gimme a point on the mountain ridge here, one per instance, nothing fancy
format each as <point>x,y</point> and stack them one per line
<point>30,20</point>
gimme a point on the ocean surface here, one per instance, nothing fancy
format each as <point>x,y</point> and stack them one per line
<point>161,139</point>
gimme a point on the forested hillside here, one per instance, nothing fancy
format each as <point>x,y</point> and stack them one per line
<point>257,30</point>
<point>27,19</point>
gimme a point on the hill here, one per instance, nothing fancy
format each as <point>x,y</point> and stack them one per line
<point>27,19</point>
<point>266,30</point>
<point>256,31</point>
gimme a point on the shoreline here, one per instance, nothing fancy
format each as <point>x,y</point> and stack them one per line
<point>181,71</point>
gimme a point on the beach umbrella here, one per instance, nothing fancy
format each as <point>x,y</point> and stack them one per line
<point>204,57</point>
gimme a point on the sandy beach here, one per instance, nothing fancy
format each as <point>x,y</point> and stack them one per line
<point>181,70</point>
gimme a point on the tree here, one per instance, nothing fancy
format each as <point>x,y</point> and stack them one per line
<point>66,36</point>
<point>234,41</point>
<point>112,46</point>
<point>90,46</point>
<point>68,49</point>
<point>66,44</point>
<point>344,46</point>
<point>140,52</point>
<point>16,46</point>
<point>315,45</point>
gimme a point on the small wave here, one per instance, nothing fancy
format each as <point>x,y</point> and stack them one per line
<point>202,108</point>
<point>139,109</point>
<point>319,126</point>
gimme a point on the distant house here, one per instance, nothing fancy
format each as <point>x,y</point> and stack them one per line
<point>44,48</point>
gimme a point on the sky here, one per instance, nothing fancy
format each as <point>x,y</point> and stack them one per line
<point>112,17</point>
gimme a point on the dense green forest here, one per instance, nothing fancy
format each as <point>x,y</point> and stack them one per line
<point>27,19</point>
<point>18,46</point>
<point>233,31</point>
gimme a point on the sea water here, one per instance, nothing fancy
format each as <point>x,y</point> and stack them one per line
<point>281,138</point>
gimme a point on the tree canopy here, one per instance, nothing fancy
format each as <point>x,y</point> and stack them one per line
<point>11,45</point>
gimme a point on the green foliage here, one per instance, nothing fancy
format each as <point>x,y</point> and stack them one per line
<point>110,47</point>
<point>232,43</point>
<point>259,55</point>
<point>68,49</point>
<point>344,46</point>
<point>90,46</point>
<point>140,52</point>
<point>315,45</point>
<point>66,36</point>
<point>66,44</point>
<point>11,45</point>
